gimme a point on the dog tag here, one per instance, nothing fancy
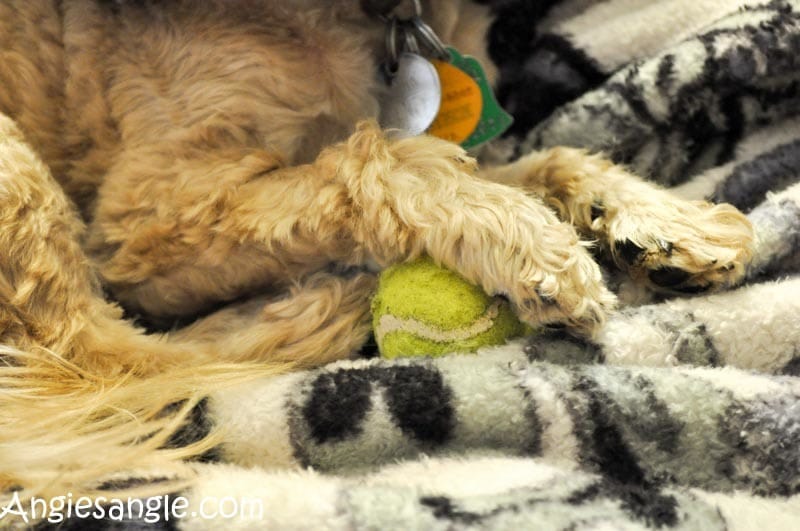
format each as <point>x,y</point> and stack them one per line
<point>469,113</point>
<point>414,95</point>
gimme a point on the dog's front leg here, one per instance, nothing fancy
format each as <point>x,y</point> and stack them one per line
<point>174,235</point>
<point>420,195</point>
<point>664,241</point>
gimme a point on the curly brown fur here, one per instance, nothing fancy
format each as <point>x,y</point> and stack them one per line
<point>208,152</point>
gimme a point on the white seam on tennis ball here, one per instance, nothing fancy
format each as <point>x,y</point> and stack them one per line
<point>389,323</point>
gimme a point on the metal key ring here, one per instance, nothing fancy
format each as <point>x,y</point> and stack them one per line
<point>391,43</point>
<point>410,40</point>
<point>430,39</point>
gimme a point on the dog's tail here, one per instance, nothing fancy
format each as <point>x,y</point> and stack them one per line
<point>65,429</point>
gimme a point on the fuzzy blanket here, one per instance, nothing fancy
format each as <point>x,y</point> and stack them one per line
<point>686,412</point>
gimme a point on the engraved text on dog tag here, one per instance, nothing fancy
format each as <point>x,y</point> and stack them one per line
<point>413,97</point>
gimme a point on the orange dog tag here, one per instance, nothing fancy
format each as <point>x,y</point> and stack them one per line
<point>461,106</point>
<point>469,113</point>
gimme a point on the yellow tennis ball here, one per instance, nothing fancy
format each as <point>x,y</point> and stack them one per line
<point>421,309</point>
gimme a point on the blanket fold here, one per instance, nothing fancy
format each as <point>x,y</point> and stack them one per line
<point>715,429</point>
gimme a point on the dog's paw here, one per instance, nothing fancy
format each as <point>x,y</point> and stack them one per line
<point>539,264</point>
<point>679,246</point>
<point>572,295</point>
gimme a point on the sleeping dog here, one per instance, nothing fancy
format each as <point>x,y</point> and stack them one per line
<point>221,158</point>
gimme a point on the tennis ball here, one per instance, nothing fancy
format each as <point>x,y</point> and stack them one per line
<point>421,309</point>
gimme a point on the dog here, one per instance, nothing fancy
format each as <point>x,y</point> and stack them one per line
<point>221,158</point>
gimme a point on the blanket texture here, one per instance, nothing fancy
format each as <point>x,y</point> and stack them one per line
<point>684,414</point>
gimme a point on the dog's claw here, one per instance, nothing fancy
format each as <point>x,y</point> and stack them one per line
<point>628,251</point>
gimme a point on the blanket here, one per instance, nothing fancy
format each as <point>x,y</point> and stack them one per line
<point>684,413</point>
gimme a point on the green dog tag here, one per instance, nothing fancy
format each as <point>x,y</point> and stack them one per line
<point>469,113</point>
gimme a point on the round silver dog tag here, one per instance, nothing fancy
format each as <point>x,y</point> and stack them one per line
<point>413,96</point>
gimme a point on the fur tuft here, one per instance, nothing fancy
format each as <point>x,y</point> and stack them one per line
<point>65,429</point>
